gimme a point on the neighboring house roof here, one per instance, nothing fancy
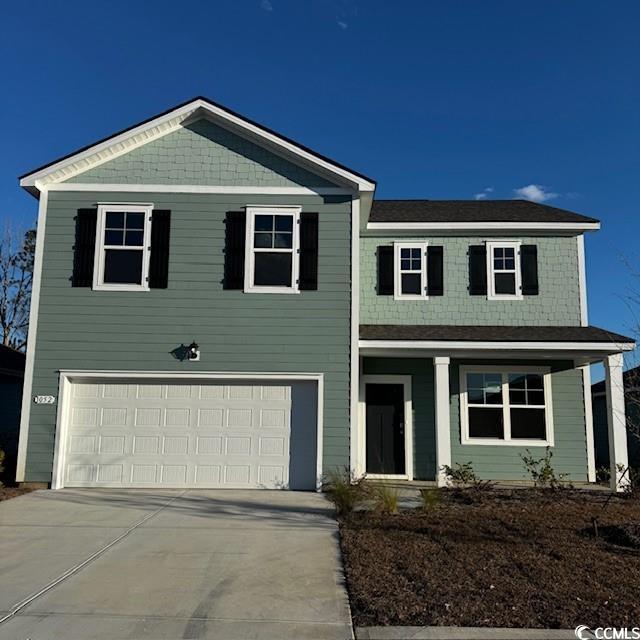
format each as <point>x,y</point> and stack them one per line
<point>473,333</point>
<point>11,361</point>
<point>473,211</point>
<point>631,378</point>
<point>163,123</point>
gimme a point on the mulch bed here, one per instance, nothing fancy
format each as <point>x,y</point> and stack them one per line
<point>6,493</point>
<point>523,558</point>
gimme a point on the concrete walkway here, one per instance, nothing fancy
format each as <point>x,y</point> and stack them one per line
<point>170,564</point>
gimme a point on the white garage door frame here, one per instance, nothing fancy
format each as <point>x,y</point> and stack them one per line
<point>69,377</point>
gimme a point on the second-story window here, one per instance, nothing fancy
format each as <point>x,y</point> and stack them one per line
<point>410,270</point>
<point>122,243</point>
<point>272,249</point>
<point>503,269</point>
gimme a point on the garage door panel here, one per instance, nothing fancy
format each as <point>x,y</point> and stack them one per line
<point>222,434</point>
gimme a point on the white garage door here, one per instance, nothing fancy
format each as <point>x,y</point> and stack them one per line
<point>217,434</point>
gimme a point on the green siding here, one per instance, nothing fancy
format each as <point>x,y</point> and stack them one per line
<point>557,304</point>
<point>201,153</point>
<point>491,462</point>
<point>83,329</point>
<point>504,462</point>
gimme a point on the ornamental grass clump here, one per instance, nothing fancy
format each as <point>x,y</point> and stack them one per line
<point>344,490</point>
<point>386,499</point>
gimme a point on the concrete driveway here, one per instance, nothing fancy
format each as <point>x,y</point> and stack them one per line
<point>170,564</point>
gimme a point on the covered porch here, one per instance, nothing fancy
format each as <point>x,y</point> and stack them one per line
<point>433,396</point>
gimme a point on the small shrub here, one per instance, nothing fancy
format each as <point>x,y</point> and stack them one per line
<point>430,498</point>
<point>386,499</point>
<point>343,490</point>
<point>542,472</point>
<point>461,476</point>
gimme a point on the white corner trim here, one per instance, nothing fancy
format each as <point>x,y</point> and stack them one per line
<point>196,188</point>
<point>588,423</point>
<point>27,388</point>
<point>582,279</point>
<point>483,226</point>
<point>68,377</point>
<point>164,124</point>
<point>354,354</point>
<point>405,381</point>
<point>507,441</point>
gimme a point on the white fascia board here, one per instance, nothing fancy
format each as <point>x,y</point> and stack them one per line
<point>483,226</point>
<point>158,127</point>
<point>474,345</point>
<point>195,188</point>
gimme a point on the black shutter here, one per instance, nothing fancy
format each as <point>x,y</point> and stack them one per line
<point>234,250</point>
<point>308,280</point>
<point>385,270</point>
<point>159,258</point>
<point>84,248</point>
<point>435,279</point>
<point>529,269</point>
<point>478,270</point>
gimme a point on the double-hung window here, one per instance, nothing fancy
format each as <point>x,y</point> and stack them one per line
<point>503,270</point>
<point>272,249</point>
<point>122,247</point>
<point>410,271</point>
<point>506,405</point>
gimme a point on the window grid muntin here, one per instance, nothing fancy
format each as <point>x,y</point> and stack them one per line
<point>507,406</point>
<point>259,214</point>
<point>503,259</point>
<point>410,259</point>
<point>142,213</point>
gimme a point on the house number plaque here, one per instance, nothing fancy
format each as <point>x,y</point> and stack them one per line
<point>44,399</point>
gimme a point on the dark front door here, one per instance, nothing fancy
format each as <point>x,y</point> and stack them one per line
<point>385,428</point>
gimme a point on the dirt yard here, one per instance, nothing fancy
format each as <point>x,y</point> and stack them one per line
<point>522,558</point>
<point>6,493</point>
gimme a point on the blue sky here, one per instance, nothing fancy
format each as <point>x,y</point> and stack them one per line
<point>433,99</point>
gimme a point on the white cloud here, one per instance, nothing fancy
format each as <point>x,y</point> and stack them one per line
<point>266,5</point>
<point>535,193</point>
<point>342,24</point>
<point>482,195</point>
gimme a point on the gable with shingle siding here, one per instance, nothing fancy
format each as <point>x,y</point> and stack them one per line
<point>202,153</point>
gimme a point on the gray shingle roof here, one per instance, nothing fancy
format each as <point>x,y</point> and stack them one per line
<point>489,333</point>
<point>470,211</point>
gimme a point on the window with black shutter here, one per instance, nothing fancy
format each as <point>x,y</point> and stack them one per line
<point>159,258</point>
<point>308,279</point>
<point>385,270</point>
<point>84,248</point>
<point>234,250</point>
<point>478,270</point>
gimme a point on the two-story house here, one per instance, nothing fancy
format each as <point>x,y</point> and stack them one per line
<point>216,305</point>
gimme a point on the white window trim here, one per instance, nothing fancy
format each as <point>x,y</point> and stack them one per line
<point>249,272</point>
<point>507,441</point>
<point>491,282</point>
<point>98,263</point>
<point>397,286</point>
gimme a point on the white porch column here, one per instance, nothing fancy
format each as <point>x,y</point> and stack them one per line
<point>443,419</point>
<point>616,421</point>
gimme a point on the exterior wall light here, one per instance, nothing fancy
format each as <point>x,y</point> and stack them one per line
<point>193,352</point>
